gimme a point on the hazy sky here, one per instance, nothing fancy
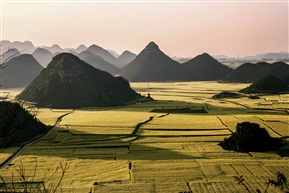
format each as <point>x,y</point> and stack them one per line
<point>183,28</point>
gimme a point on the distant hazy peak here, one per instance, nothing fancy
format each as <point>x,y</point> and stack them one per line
<point>127,52</point>
<point>39,49</point>
<point>94,46</point>
<point>56,46</point>
<point>81,48</point>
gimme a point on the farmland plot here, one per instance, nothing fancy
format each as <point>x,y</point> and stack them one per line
<point>131,149</point>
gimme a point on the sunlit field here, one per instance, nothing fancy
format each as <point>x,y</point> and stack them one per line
<point>156,146</point>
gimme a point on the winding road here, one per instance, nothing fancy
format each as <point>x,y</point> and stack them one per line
<point>17,153</point>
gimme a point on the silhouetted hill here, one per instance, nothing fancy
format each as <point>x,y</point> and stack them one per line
<point>126,57</point>
<point>69,82</point>
<point>105,55</point>
<point>20,71</point>
<point>43,56</point>
<point>98,62</point>
<point>270,84</point>
<point>202,68</point>
<point>17,125</point>
<point>285,77</point>
<point>150,65</point>
<point>81,48</point>
<point>249,72</point>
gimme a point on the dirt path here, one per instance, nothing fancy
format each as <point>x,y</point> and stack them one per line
<point>17,153</point>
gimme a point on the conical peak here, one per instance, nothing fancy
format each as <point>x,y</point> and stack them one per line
<point>152,46</point>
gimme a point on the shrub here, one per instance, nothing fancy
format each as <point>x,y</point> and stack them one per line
<point>250,137</point>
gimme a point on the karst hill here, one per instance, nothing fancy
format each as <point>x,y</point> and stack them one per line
<point>153,65</point>
<point>69,82</point>
<point>150,65</point>
<point>19,71</point>
<point>249,72</point>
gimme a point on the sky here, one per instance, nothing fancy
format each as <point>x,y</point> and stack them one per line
<point>180,28</point>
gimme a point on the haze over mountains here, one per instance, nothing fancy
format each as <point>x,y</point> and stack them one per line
<point>98,62</point>
<point>150,65</point>
<point>20,71</point>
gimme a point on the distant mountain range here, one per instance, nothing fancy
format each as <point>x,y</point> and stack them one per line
<point>44,54</point>
<point>150,65</point>
<point>265,56</point>
<point>106,55</point>
<point>69,82</point>
<point>98,62</point>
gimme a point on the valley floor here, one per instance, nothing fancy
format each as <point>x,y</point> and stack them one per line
<point>159,146</point>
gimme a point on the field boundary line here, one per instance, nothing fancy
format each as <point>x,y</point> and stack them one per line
<point>18,152</point>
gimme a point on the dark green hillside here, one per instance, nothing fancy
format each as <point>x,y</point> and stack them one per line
<point>150,65</point>
<point>269,84</point>
<point>285,77</point>
<point>20,71</point>
<point>17,125</point>
<point>249,72</point>
<point>98,62</point>
<point>202,68</point>
<point>69,82</point>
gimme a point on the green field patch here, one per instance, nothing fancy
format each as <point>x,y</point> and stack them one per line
<point>279,127</point>
<point>155,146</point>
<point>101,151</point>
<point>179,110</point>
<point>100,130</point>
<point>203,147</point>
<point>171,132</point>
<point>155,155</point>
<point>265,155</point>
<point>185,121</point>
<point>177,139</point>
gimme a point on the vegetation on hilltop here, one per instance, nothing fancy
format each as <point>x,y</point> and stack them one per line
<point>18,125</point>
<point>69,82</point>
<point>270,84</point>
<point>250,72</point>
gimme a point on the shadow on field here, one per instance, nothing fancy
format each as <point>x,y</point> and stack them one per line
<point>62,143</point>
<point>182,107</point>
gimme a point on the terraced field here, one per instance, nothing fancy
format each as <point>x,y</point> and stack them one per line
<point>135,149</point>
